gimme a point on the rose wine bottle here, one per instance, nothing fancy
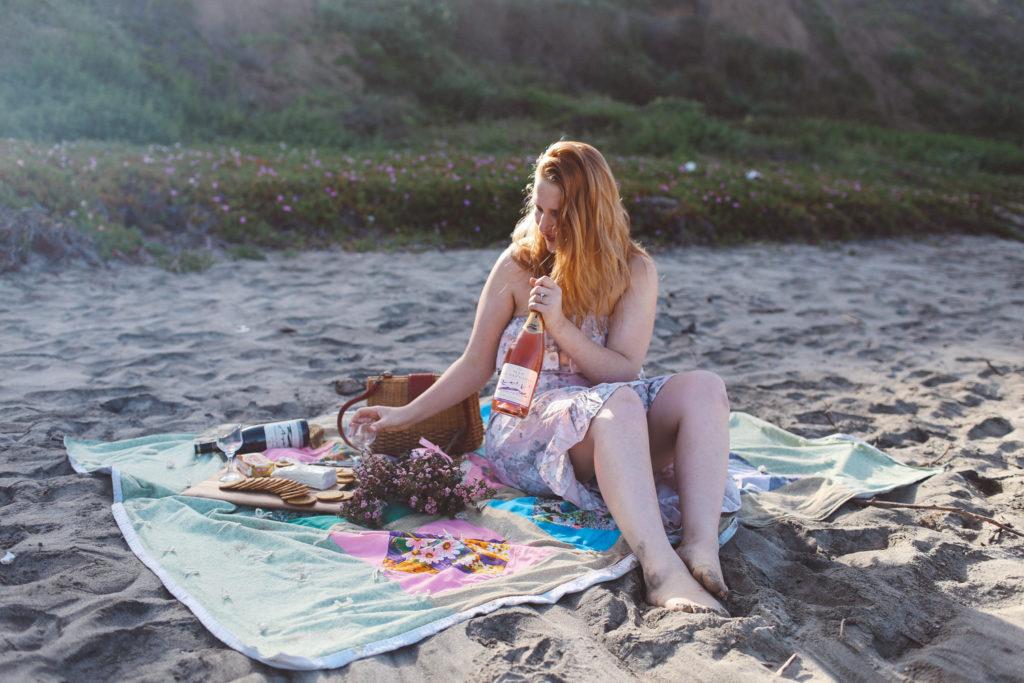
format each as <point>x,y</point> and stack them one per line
<point>258,438</point>
<point>519,374</point>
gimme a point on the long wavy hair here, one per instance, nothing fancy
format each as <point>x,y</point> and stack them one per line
<point>593,246</point>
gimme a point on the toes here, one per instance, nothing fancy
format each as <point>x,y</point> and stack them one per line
<point>711,580</point>
<point>684,605</point>
<point>706,575</point>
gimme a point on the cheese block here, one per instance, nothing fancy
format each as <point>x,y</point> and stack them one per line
<point>254,465</point>
<point>314,476</point>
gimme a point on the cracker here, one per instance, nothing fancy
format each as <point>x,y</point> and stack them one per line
<point>302,500</point>
<point>333,496</point>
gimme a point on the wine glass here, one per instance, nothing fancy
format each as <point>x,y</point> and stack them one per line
<point>229,441</point>
<point>361,436</point>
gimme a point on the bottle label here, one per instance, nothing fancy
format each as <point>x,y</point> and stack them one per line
<point>287,434</point>
<point>516,384</point>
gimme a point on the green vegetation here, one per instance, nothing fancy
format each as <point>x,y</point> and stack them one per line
<point>413,123</point>
<point>353,73</point>
<point>135,201</point>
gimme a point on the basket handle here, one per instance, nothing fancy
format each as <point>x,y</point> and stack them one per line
<point>461,433</point>
<point>469,406</point>
<point>373,386</point>
<point>370,389</point>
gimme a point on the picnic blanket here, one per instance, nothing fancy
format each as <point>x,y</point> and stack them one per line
<point>312,591</point>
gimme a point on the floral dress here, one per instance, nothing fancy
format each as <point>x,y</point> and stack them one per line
<point>532,453</point>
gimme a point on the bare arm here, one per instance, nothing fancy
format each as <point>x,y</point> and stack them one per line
<point>471,371</point>
<point>629,328</point>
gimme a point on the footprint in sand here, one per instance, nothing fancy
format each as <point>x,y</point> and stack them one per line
<point>993,427</point>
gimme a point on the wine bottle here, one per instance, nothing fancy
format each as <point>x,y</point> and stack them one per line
<point>258,438</point>
<point>519,373</point>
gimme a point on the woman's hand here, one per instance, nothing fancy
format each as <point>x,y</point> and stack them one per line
<point>381,418</point>
<point>546,299</point>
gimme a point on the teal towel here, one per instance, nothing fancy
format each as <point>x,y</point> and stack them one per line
<point>827,471</point>
<point>302,591</point>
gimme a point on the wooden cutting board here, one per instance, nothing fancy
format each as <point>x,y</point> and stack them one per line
<point>210,488</point>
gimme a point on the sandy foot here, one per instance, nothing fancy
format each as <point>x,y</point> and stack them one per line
<point>705,566</point>
<point>676,589</point>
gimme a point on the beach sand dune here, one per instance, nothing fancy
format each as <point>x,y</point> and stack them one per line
<point>917,346</point>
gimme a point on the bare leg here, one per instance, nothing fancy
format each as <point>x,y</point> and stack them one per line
<point>615,449</point>
<point>689,426</point>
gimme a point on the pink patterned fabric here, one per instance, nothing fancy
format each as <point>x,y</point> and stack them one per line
<point>439,556</point>
<point>307,455</point>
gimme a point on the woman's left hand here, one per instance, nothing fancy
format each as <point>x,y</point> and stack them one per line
<point>546,299</point>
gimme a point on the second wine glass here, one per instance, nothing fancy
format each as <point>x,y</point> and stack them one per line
<point>361,436</point>
<point>229,441</point>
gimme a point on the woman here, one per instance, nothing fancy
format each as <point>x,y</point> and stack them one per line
<point>594,415</point>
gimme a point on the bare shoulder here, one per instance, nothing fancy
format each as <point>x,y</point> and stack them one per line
<point>506,268</point>
<point>643,271</point>
<point>642,292</point>
<point>513,279</point>
<point>641,263</point>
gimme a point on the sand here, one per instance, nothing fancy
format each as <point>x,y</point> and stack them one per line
<point>914,345</point>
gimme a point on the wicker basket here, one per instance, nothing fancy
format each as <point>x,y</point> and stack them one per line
<point>458,429</point>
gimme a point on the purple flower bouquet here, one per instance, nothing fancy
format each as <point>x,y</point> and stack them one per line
<point>428,481</point>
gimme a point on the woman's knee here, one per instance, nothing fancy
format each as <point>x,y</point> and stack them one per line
<point>701,386</point>
<point>622,415</point>
<point>624,409</point>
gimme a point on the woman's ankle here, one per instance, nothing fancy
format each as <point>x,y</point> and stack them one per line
<point>699,540</point>
<point>656,555</point>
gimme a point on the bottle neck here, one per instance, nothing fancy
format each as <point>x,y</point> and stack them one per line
<point>205,447</point>
<point>534,323</point>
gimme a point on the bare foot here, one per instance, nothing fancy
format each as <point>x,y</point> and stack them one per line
<point>674,588</point>
<point>702,561</point>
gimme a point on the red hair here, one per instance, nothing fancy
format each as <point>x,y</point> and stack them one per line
<point>591,261</point>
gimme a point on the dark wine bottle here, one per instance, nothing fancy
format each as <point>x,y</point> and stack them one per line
<point>258,438</point>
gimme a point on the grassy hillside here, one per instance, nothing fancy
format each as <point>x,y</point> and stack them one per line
<point>348,72</point>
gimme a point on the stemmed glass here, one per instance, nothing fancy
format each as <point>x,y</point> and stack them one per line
<point>229,441</point>
<point>361,436</point>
